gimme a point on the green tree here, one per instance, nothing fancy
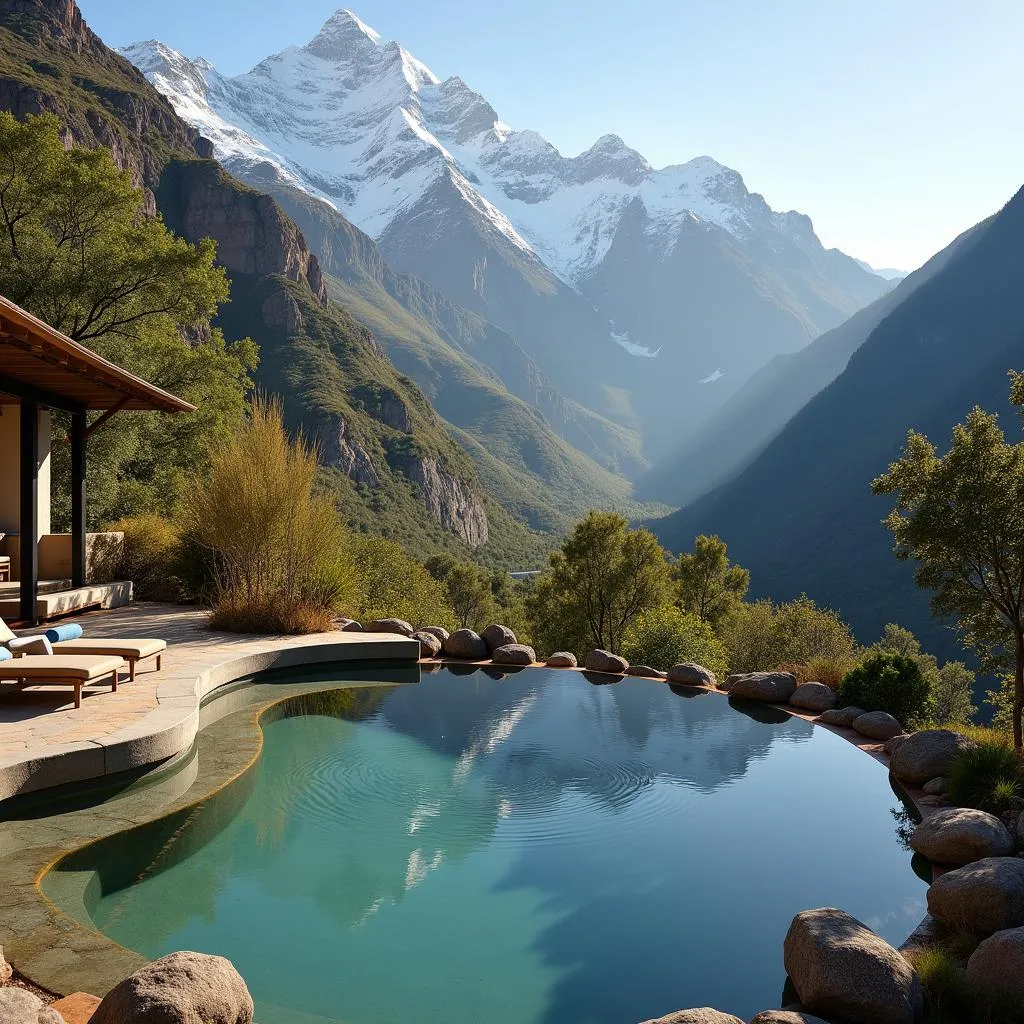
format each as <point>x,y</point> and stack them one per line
<point>78,250</point>
<point>469,595</point>
<point>961,518</point>
<point>707,585</point>
<point>886,681</point>
<point>603,577</point>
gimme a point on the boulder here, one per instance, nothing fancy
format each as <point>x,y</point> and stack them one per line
<point>774,687</point>
<point>388,626</point>
<point>351,626</point>
<point>729,680</point>
<point>961,835</point>
<point>496,636</point>
<point>701,1015</point>
<point>646,671</point>
<point>813,697</point>
<point>5,968</point>
<point>841,968</point>
<point>605,661</point>
<point>890,745</point>
<point>840,716</point>
<point>180,988</point>
<point>430,646</point>
<point>440,632</point>
<point>464,643</point>
<point>1020,830</point>
<point>561,659</point>
<point>926,754</point>
<point>983,897</point>
<point>689,673</point>
<point>877,725</point>
<point>997,965</point>
<point>785,1017</point>
<point>937,787</point>
<point>19,1006</point>
<point>513,654</point>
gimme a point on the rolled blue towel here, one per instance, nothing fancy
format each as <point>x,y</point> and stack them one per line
<point>5,655</point>
<point>70,631</point>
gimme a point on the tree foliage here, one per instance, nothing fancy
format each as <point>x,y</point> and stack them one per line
<point>707,585</point>
<point>663,637</point>
<point>78,250</point>
<point>886,681</point>
<point>603,577</point>
<point>960,517</point>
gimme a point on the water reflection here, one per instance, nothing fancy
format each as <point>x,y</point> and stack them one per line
<point>532,849</point>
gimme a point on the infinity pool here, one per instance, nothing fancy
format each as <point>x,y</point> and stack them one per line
<point>536,848</point>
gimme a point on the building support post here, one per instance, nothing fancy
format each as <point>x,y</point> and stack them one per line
<point>29,525</point>
<point>78,549</point>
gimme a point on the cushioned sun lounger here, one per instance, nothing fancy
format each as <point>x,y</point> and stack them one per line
<point>133,651</point>
<point>63,670</point>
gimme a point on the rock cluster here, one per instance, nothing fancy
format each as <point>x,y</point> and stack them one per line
<point>464,643</point>
<point>841,716</point>
<point>399,626</point>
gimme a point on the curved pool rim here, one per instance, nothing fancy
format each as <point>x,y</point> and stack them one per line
<point>88,960</point>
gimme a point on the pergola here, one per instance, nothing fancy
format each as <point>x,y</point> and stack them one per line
<point>40,368</point>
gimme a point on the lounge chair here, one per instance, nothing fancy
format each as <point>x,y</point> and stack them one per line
<point>62,670</point>
<point>131,650</point>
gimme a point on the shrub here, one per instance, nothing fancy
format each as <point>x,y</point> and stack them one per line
<point>664,636</point>
<point>988,777</point>
<point>822,669</point>
<point>391,584</point>
<point>763,635</point>
<point>280,548</point>
<point>949,998</point>
<point>149,556</point>
<point>888,682</point>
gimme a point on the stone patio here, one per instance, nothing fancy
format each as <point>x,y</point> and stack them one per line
<point>45,741</point>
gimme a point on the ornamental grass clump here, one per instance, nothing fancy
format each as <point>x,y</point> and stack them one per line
<point>988,777</point>
<point>280,547</point>
<point>888,682</point>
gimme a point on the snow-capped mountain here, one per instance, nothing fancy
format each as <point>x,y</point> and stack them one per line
<point>617,277</point>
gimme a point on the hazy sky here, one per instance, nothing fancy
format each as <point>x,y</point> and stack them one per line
<point>895,124</point>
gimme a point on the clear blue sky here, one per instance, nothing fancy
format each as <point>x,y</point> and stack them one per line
<point>895,124</point>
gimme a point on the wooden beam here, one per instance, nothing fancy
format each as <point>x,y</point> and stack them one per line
<point>112,411</point>
<point>21,389</point>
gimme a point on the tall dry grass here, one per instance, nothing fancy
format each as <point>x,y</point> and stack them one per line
<point>280,548</point>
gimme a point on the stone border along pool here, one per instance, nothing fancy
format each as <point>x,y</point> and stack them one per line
<point>58,953</point>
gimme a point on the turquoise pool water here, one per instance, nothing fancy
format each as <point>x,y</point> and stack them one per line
<point>538,848</point>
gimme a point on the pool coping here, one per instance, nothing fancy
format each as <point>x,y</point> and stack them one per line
<point>61,954</point>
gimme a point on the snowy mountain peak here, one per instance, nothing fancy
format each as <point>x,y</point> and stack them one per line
<point>343,36</point>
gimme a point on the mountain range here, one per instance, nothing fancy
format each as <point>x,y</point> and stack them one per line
<point>633,292</point>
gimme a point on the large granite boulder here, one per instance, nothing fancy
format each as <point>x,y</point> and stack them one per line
<point>841,716</point>
<point>983,897</point>
<point>785,1017</point>
<point>464,643</point>
<point>6,971</point>
<point>997,965</point>
<point>937,787</point>
<point>774,687</point>
<point>561,659</point>
<point>181,988</point>
<point>351,626</point>
<point>890,745</point>
<point>700,1015</point>
<point>388,626</point>
<point>841,968</point>
<point>430,646</point>
<point>19,1006</point>
<point>961,835</point>
<point>496,636</point>
<point>813,697</point>
<point>513,654</point>
<point>926,754</point>
<point>605,661</point>
<point>645,672</point>
<point>440,632</point>
<point>877,725</point>
<point>689,673</point>
<point>727,683</point>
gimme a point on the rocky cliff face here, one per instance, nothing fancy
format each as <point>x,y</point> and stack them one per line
<point>341,451</point>
<point>253,236</point>
<point>451,503</point>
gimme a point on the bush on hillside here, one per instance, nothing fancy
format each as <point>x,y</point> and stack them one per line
<point>822,669</point>
<point>280,548</point>
<point>762,635</point>
<point>149,555</point>
<point>988,777</point>
<point>391,584</point>
<point>663,637</point>
<point>889,682</point>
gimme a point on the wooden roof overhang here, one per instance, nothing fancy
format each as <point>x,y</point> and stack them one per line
<point>39,363</point>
